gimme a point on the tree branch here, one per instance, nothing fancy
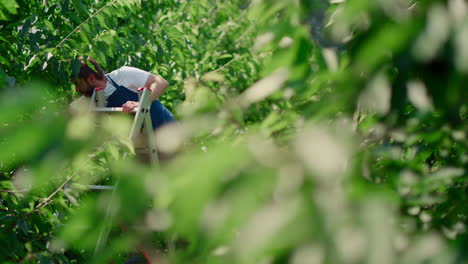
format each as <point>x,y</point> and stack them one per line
<point>84,22</point>
<point>47,200</point>
<point>16,191</point>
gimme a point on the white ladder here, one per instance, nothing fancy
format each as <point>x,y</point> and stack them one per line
<point>141,133</point>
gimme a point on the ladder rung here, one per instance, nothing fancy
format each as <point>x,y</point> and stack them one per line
<point>113,109</point>
<point>100,187</point>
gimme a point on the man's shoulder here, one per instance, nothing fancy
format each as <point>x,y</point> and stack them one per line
<point>129,69</point>
<point>129,77</point>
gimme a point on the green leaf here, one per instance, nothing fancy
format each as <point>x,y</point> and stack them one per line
<point>4,61</point>
<point>7,185</point>
<point>75,67</point>
<point>225,56</point>
<point>7,6</point>
<point>390,39</point>
<point>84,36</point>
<point>23,225</point>
<point>28,247</point>
<point>49,25</point>
<point>102,21</point>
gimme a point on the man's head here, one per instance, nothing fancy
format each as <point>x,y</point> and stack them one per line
<point>88,78</point>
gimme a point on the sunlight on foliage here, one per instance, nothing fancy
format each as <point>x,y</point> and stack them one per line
<point>308,132</point>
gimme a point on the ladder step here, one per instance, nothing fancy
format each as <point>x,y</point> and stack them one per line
<point>113,109</point>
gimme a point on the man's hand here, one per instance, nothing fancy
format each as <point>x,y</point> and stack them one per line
<point>129,106</point>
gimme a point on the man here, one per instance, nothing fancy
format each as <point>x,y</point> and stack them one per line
<point>120,88</point>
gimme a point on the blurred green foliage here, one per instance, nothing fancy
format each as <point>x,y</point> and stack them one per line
<point>310,132</point>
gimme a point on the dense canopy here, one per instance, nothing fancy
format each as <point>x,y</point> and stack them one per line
<point>310,131</point>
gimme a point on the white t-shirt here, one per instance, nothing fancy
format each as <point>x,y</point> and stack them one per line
<point>130,77</point>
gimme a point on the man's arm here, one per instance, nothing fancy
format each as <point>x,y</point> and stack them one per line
<point>157,85</point>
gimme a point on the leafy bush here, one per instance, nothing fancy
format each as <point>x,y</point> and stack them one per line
<point>309,132</point>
